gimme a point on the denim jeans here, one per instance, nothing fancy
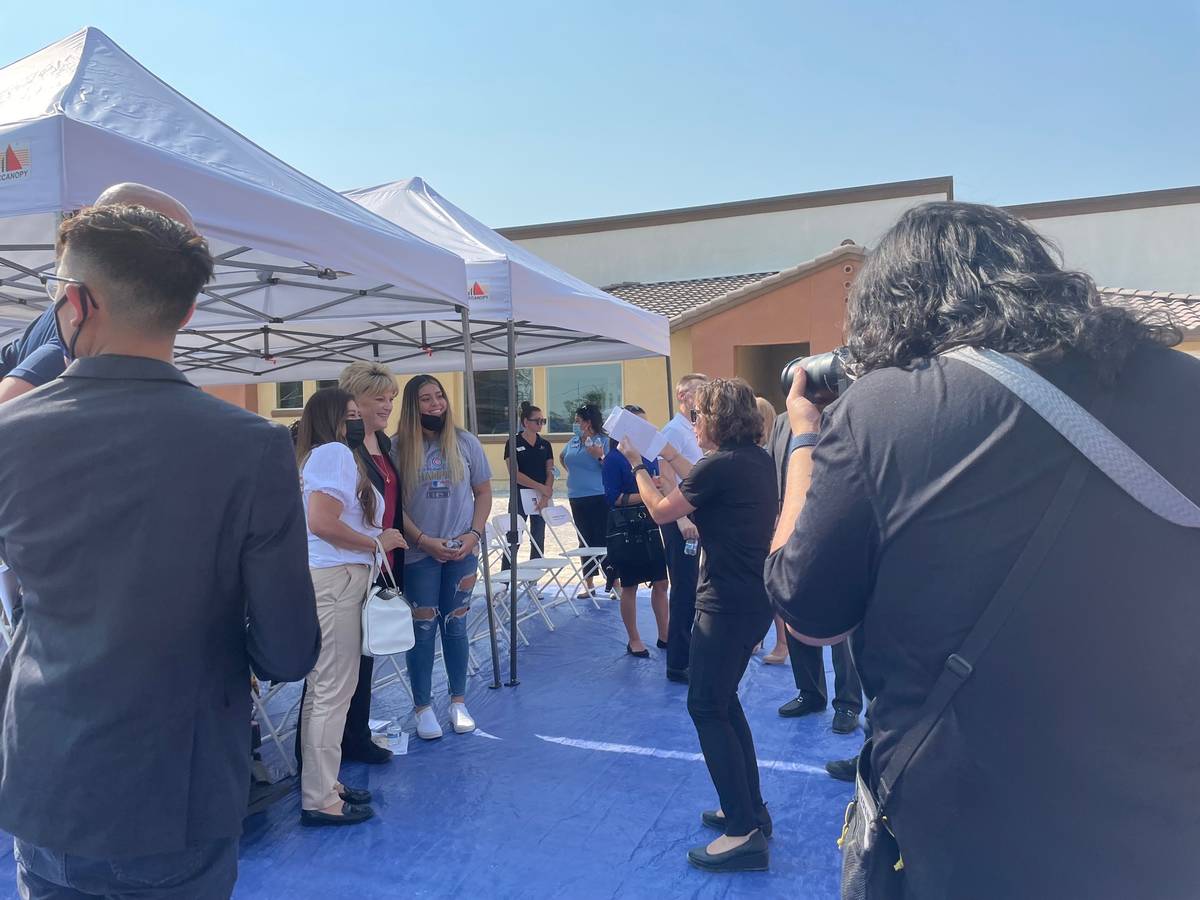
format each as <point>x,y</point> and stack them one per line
<point>430,584</point>
<point>201,872</point>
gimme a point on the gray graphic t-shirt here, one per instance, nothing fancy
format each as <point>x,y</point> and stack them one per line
<point>442,508</point>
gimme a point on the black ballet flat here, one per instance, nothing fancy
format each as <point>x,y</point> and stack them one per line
<point>640,654</point>
<point>351,815</point>
<point>713,819</point>
<point>752,856</point>
<point>355,796</point>
<point>662,645</point>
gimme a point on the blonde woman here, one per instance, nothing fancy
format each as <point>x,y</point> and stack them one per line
<point>447,499</point>
<point>374,390</point>
<point>344,514</point>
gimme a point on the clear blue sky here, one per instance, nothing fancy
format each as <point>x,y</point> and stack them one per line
<point>526,112</point>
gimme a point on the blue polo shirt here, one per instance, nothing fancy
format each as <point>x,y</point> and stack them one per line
<point>36,356</point>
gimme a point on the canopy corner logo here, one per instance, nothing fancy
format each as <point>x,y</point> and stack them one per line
<point>477,291</point>
<point>14,162</point>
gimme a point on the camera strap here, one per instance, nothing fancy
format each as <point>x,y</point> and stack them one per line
<point>1108,453</point>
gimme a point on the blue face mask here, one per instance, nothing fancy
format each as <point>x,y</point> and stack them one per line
<point>577,430</point>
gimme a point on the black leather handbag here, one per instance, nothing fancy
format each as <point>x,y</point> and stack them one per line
<point>633,539</point>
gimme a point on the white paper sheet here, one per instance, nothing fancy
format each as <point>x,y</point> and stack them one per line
<point>529,502</point>
<point>621,424</point>
<point>556,516</point>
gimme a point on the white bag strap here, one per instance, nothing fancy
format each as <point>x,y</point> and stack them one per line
<point>1108,453</point>
<point>380,563</point>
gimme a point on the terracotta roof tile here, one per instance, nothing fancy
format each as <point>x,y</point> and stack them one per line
<point>674,298</point>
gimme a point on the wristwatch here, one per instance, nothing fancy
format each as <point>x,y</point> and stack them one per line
<point>808,439</point>
<point>640,468</point>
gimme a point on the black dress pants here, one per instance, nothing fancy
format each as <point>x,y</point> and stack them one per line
<point>722,644</point>
<point>591,521</point>
<point>684,572</point>
<point>808,668</point>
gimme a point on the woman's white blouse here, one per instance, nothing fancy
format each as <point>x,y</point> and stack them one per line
<point>331,470</point>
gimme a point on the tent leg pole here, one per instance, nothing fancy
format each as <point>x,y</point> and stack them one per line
<point>670,389</point>
<point>473,427</point>
<point>514,500</point>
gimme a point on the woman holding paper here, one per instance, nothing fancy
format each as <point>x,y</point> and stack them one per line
<point>731,495</point>
<point>648,564</point>
<point>535,472</point>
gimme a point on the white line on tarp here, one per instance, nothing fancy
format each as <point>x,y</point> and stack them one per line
<point>605,747</point>
<point>479,732</point>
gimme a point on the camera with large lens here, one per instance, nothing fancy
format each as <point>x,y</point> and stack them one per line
<point>827,373</point>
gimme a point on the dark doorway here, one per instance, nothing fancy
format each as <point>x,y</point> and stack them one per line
<point>761,365</point>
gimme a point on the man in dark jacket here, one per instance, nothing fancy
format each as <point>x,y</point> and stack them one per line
<point>808,664</point>
<point>161,559</point>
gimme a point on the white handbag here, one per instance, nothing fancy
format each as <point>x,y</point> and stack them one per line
<point>387,619</point>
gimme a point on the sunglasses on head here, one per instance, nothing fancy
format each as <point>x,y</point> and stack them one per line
<point>695,414</point>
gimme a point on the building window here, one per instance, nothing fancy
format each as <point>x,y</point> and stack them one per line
<point>491,400</point>
<point>569,387</point>
<point>289,395</point>
<point>321,385</point>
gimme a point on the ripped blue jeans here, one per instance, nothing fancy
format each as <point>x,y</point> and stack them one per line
<point>445,588</point>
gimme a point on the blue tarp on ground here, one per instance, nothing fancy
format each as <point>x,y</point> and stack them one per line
<point>588,784</point>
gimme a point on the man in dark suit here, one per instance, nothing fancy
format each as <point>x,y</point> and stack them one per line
<point>808,666</point>
<point>161,558</point>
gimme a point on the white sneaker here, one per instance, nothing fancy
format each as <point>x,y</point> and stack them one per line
<point>461,719</point>
<point>427,725</point>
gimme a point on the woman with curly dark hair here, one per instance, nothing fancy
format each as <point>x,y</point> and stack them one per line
<point>731,496</point>
<point>1025,629</point>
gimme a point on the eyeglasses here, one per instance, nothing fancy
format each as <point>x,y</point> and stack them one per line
<point>537,421</point>
<point>51,283</point>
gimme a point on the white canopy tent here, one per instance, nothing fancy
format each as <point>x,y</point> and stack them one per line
<point>300,269</point>
<point>82,114</point>
<point>559,319</point>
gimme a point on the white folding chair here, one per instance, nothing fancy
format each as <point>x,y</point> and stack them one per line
<point>280,729</point>
<point>530,572</point>
<point>579,557</point>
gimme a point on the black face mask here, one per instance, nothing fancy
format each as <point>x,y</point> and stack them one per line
<point>433,423</point>
<point>87,303</point>
<point>356,433</point>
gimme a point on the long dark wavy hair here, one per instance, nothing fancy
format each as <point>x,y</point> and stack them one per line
<point>962,274</point>
<point>324,422</point>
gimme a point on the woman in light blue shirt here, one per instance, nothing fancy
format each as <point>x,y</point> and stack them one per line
<point>581,457</point>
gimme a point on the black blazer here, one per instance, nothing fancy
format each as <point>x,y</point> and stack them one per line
<point>376,477</point>
<point>161,557</point>
<point>781,436</point>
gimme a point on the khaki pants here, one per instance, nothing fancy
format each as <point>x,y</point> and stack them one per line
<point>340,593</point>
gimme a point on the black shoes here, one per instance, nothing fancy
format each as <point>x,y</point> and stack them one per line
<point>351,815</point>
<point>661,645</point>
<point>844,721</point>
<point>368,752</point>
<point>356,796</point>
<point>842,769</point>
<point>713,819</point>
<point>801,706</point>
<point>679,675</point>
<point>752,856</point>
<point>640,654</point>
